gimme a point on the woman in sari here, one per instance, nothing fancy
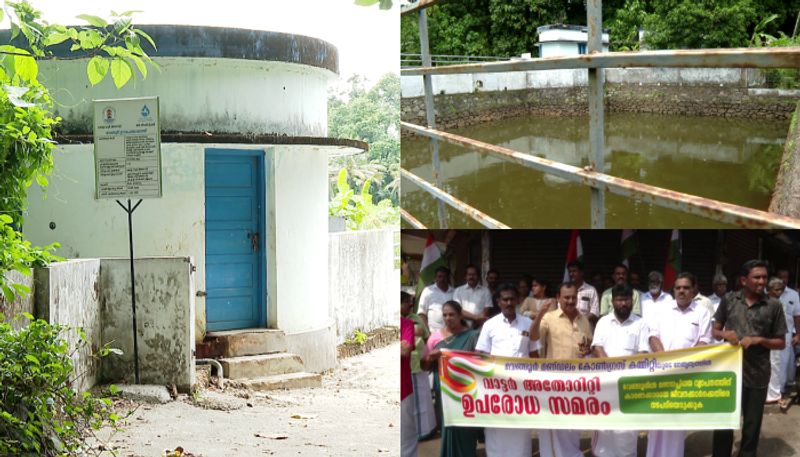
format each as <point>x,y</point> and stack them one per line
<point>456,441</point>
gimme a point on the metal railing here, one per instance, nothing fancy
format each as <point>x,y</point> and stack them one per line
<point>600,183</point>
<point>408,60</point>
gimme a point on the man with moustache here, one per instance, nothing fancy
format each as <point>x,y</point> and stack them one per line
<point>565,333</point>
<point>618,334</point>
<point>755,321</point>
<point>588,301</point>
<point>655,298</point>
<point>683,323</point>
<point>507,335</point>
<point>473,297</point>
<point>619,276</point>
<point>433,297</point>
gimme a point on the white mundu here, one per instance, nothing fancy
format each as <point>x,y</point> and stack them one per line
<point>677,329</point>
<point>560,443</point>
<point>619,339</point>
<point>507,339</point>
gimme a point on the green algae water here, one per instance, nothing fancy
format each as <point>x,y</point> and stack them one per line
<point>730,160</point>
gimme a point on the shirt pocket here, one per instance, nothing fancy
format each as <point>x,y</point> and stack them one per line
<point>630,342</point>
<point>520,344</point>
<point>689,334</point>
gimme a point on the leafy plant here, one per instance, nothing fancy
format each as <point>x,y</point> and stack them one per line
<point>17,254</point>
<point>358,210</point>
<point>784,78</point>
<point>26,122</point>
<point>358,338</point>
<point>382,4</point>
<point>40,414</point>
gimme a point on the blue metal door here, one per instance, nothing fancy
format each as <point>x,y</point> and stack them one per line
<point>235,262</point>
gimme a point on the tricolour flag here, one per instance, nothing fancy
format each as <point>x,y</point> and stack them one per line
<point>431,260</point>
<point>629,245</point>
<point>673,265</point>
<point>574,251</point>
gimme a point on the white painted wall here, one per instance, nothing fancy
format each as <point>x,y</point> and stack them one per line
<point>297,234</point>
<point>364,284</point>
<point>86,227</point>
<point>164,310</point>
<point>174,225</point>
<point>411,86</point>
<point>207,94</point>
<point>68,293</point>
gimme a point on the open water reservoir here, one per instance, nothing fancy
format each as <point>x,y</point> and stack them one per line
<point>730,160</point>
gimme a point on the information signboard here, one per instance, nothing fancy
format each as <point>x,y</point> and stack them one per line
<point>127,148</point>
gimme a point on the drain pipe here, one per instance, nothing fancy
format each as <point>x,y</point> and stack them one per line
<point>218,366</point>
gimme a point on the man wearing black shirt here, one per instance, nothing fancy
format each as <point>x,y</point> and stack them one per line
<point>756,322</point>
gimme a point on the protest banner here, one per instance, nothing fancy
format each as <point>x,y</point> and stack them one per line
<point>696,388</point>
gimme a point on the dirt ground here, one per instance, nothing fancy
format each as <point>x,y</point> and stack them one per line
<point>356,412</point>
<point>779,438</point>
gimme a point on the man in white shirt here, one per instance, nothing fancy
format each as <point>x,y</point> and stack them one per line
<point>473,297</point>
<point>781,360</point>
<point>704,301</point>
<point>618,334</point>
<point>433,297</point>
<point>720,286</point>
<point>619,276</point>
<point>682,324</point>
<point>588,301</point>
<point>655,298</point>
<point>507,335</point>
<point>790,297</point>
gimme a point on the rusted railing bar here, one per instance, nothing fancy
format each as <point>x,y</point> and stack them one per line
<point>788,57</point>
<point>412,221</point>
<point>692,204</point>
<point>459,205</point>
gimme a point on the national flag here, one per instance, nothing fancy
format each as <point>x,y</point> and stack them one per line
<point>673,265</point>
<point>629,246</point>
<point>432,259</point>
<point>574,251</point>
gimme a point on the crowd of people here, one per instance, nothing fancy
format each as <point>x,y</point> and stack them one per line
<point>524,319</point>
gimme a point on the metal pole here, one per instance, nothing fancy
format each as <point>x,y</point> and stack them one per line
<point>130,211</point>
<point>596,118</point>
<point>430,114</point>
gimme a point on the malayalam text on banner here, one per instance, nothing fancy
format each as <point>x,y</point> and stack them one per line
<point>697,388</point>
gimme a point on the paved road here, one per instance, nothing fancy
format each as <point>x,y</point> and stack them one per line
<point>780,437</point>
<point>356,412</point>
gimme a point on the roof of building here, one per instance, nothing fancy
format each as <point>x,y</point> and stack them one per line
<point>227,42</point>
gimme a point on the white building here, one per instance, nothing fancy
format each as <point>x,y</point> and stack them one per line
<point>245,178</point>
<point>565,40</point>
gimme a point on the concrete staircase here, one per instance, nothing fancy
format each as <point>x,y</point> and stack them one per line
<point>257,358</point>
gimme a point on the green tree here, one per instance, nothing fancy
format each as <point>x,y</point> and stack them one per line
<point>508,27</point>
<point>114,46</point>
<point>371,115</point>
<point>694,24</point>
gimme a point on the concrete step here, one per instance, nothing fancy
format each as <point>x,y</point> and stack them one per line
<point>284,381</point>
<point>256,366</point>
<point>236,343</point>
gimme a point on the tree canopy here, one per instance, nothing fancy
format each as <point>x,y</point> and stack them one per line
<point>373,116</point>
<point>508,27</point>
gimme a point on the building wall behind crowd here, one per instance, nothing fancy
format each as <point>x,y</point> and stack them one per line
<point>541,253</point>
